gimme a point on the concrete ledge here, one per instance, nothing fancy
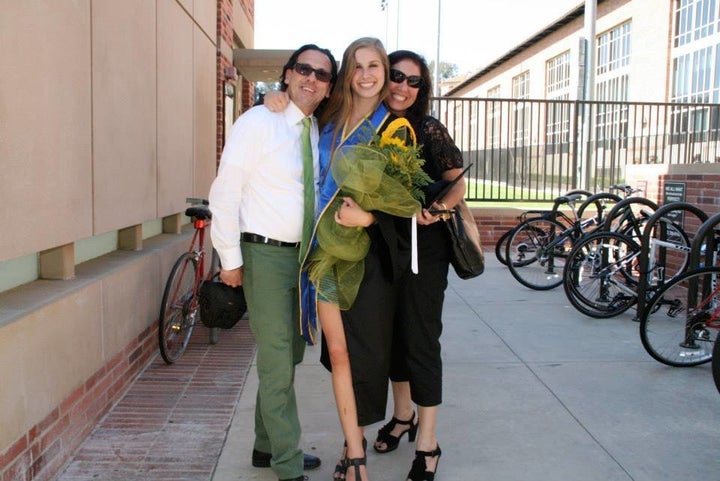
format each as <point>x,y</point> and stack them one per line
<point>60,338</point>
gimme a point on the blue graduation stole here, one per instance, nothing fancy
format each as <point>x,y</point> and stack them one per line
<point>328,143</point>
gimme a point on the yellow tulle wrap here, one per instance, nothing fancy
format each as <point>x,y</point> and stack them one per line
<point>385,175</point>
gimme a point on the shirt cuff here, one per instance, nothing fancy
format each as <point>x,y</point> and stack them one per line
<point>230,258</point>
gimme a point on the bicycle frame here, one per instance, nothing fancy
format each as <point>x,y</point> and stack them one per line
<point>695,312</point>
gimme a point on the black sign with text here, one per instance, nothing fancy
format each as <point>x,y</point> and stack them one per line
<point>674,192</point>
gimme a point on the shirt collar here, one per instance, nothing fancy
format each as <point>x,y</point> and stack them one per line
<point>293,115</point>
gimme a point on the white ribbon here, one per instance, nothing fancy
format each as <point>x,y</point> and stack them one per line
<point>414,248</point>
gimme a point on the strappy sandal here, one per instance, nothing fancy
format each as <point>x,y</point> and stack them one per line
<point>418,471</point>
<point>356,463</point>
<point>342,466</point>
<point>392,442</point>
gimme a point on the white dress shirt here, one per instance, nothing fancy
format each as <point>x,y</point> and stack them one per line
<point>259,186</point>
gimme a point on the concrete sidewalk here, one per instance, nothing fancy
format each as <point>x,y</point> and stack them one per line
<point>533,390</point>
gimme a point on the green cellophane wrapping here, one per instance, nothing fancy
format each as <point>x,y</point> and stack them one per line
<point>337,264</point>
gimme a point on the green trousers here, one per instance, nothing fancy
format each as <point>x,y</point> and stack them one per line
<point>270,282</point>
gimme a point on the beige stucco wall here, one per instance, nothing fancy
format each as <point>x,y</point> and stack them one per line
<point>45,124</point>
<point>124,113</point>
<point>107,120</point>
<point>205,127</point>
<point>175,114</point>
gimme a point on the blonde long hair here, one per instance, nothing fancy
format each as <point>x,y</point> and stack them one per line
<point>339,105</point>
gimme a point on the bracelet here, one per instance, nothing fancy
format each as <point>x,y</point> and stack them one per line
<point>445,215</point>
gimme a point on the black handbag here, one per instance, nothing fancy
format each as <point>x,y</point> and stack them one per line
<point>221,305</point>
<point>467,256</point>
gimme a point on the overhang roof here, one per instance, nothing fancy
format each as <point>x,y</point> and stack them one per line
<point>257,65</point>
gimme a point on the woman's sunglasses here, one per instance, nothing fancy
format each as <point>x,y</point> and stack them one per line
<point>305,70</point>
<point>414,81</point>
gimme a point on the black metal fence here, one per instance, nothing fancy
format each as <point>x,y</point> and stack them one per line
<point>535,150</point>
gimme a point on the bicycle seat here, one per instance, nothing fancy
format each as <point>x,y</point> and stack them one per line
<point>200,212</point>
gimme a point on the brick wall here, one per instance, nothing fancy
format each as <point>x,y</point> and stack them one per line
<point>702,186</point>
<point>493,222</point>
<point>225,32</point>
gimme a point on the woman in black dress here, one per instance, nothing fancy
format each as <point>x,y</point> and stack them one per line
<point>416,368</point>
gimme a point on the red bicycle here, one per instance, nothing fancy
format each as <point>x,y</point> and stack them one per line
<point>180,309</point>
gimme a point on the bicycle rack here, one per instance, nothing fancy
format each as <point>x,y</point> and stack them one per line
<point>706,235</point>
<point>645,246</point>
<point>618,208</point>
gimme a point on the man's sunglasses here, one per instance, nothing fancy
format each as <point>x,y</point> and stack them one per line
<point>414,81</point>
<point>305,70</point>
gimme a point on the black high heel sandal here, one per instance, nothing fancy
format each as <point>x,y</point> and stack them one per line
<point>418,471</point>
<point>392,442</point>
<point>342,466</point>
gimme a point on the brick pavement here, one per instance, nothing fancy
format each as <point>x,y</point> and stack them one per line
<point>172,422</point>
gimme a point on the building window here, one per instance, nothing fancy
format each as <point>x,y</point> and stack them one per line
<point>521,110</point>
<point>557,127</point>
<point>612,85</point>
<point>694,20</point>
<point>695,68</point>
<point>558,75</point>
<point>494,118</point>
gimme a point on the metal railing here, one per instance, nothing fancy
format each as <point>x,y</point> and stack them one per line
<point>535,150</point>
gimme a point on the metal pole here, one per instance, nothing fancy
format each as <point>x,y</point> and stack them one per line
<point>584,164</point>
<point>590,19</point>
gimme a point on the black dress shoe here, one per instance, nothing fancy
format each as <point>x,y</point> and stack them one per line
<point>262,460</point>
<point>299,478</point>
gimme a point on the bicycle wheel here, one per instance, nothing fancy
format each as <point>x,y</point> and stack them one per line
<point>600,279</point>
<point>501,246</point>
<point>530,260</point>
<point>674,326</point>
<point>179,309</point>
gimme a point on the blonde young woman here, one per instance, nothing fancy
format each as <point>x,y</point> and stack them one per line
<point>357,342</point>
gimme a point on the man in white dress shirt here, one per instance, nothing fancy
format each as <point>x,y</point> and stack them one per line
<point>257,206</point>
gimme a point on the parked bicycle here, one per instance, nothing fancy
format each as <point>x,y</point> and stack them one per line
<point>180,309</point>
<point>501,244</point>
<point>537,249</point>
<point>602,274</point>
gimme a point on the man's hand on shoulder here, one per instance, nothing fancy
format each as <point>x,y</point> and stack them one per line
<point>276,101</point>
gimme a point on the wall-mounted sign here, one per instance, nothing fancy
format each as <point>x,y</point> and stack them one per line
<point>674,192</point>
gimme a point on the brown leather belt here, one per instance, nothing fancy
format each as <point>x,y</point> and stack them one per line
<point>258,239</point>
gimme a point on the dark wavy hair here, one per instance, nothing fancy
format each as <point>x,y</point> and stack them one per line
<point>293,60</point>
<point>421,107</point>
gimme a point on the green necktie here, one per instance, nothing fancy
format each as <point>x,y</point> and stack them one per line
<point>308,188</point>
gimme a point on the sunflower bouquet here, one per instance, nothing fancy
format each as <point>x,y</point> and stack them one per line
<point>385,175</point>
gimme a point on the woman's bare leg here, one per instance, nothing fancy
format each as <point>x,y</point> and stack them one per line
<point>332,328</point>
<point>427,435</point>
